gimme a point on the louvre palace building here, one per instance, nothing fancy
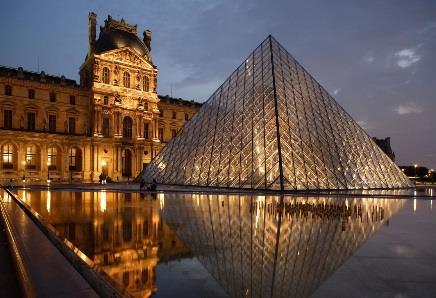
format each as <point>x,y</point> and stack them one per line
<point>112,122</point>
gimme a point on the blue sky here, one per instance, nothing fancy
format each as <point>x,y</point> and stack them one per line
<point>377,58</point>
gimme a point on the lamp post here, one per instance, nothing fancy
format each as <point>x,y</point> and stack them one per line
<point>415,166</point>
<point>24,170</point>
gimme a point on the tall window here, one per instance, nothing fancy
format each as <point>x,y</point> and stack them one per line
<point>52,123</point>
<point>30,121</point>
<point>72,100</point>
<point>52,97</point>
<point>173,132</point>
<point>160,133</point>
<point>71,125</point>
<point>105,75</point>
<point>106,100</point>
<point>127,127</point>
<point>51,158</point>
<point>161,113</point>
<point>126,79</point>
<point>8,156</point>
<point>31,157</point>
<point>145,84</point>
<point>75,159</point>
<point>31,93</point>
<point>126,163</point>
<point>106,123</point>
<point>7,119</point>
<point>8,90</point>
<point>146,131</point>
<point>174,115</point>
<point>186,116</point>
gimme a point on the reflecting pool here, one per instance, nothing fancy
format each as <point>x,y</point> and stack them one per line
<point>202,245</point>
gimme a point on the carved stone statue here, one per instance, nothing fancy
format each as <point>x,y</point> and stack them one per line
<point>117,100</point>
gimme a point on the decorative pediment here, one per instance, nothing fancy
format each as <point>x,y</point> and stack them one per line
<point>127,55</point>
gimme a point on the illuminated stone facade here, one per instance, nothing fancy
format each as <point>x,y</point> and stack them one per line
<point>114,122</point>
<point>126,245</point>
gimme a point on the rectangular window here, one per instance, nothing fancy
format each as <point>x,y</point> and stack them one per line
<point>146,131</point>
<point>72,100</point>
<point>186,117</point>
<point>106,100</point>
<point>51,158</point>
<point>52,123</point>
<point>160,133</point>
<point>8,156</point>
<point>31,94</point>
<point>71,125</point>
<point>174,115</point>
<point>7,119</point>
<point>8,90</point>
<point>30,121</point>
<point>161,113</point>
<point>173,132</point>
<point>106,124</point>
<point>52,97</point>
<point>30,157</point>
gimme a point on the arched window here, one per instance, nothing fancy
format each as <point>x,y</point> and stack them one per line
<point>51,158</point>
<point>126,79</point>
<point>127,163</point>
<point>75,159</point>
<point>145,84</point>
<point>31,156</point>
<point>8,156</point>
<point>105,75</point>
<point>127,127</point>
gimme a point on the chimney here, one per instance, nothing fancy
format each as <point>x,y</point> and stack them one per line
<point>147,39</point>
<point>92,17</point>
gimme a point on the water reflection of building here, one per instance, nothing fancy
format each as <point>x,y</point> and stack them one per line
<point>256,247</point>
<point>121,232</point>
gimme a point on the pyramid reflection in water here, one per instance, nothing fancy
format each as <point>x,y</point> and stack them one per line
<point>270,125</point>
<point>253,248</point>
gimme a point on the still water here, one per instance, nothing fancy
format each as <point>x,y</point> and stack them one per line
<point>195,245</point>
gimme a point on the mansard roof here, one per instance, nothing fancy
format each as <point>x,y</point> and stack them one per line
<point>42,77</point>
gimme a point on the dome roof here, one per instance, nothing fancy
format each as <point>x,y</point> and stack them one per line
<point>112,39</point>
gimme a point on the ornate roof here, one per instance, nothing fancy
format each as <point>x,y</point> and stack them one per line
<point>118,34</point>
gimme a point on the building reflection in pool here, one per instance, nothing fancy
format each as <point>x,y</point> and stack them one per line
<point>121,232</point>
<point>254,246</point>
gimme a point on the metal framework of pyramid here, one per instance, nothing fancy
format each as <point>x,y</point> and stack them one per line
<point>271,125</point>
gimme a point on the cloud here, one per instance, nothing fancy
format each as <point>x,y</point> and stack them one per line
<point>407,57</point>
<point>369,59</point>
<point>408,108</point>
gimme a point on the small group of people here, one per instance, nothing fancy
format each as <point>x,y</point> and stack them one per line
<point>104,179</point>
<point>145,186</point>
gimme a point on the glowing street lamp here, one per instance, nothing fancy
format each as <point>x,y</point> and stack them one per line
<point>24,170</point>
<point>415,166</point>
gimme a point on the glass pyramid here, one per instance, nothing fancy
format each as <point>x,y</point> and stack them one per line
<point>270,125</point>
<point>255,248</point>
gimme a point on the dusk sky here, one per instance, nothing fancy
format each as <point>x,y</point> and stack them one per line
<point>377,58</point>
